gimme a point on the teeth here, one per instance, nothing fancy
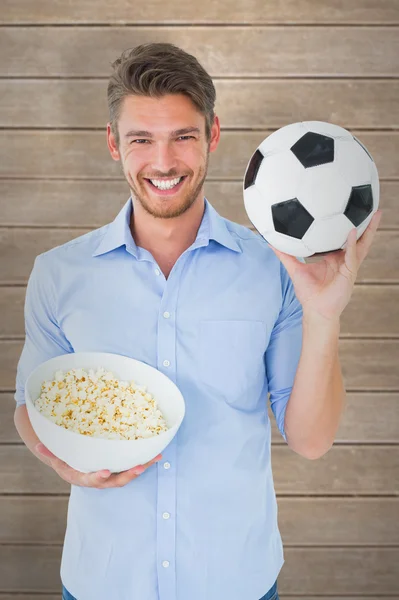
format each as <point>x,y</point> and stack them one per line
<point>165,185</point>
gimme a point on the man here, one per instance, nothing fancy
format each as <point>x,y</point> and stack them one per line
<point>207,302</point>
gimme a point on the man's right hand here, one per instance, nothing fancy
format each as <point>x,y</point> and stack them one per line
<point>97,479</point>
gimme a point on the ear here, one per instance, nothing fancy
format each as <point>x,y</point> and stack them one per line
<point>112,145</point>
<point>215,134</point>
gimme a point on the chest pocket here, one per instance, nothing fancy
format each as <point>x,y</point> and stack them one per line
<point>231,361</point>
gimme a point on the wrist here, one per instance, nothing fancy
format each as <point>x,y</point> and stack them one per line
<point>316,321</point>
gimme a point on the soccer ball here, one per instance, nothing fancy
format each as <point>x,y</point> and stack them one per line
<point>307,185</point>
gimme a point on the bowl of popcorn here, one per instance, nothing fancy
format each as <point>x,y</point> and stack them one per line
<point>97,410</point>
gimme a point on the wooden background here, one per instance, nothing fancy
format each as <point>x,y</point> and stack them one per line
<point>273,63</point>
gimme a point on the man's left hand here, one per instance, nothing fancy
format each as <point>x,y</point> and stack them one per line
<point>324,288</point>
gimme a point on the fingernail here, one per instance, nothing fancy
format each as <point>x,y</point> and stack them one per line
<point>105,475</point>
<point>139,470</point>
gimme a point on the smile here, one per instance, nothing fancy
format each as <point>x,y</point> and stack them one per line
<point>166,188</point>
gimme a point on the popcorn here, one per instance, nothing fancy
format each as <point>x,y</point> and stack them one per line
<point>97,404</point>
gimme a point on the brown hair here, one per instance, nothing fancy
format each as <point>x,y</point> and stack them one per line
<point>156,69</point>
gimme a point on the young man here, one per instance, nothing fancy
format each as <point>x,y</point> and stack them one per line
<point>207,302</point>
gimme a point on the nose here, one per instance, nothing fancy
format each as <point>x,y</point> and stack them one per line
<point>164,158</point>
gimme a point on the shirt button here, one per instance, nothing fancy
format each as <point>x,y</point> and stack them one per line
<point>166,314</point>
<point>157,272</point>
<point>166,363</point>
<point>166,465</point>
<point>166,515</point>
<point>165,563</point>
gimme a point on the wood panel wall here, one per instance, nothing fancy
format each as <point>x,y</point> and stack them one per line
<point>272,63</point>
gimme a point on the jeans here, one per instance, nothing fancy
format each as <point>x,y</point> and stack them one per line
<point>272,594</point>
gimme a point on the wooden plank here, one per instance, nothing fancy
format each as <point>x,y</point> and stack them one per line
<point>30,568</point>
<point>93,203</point>
<point>373,311</point>
<point>368,418</point>
<point>361,470</point>
<point>259,104</point>
<point>358,470</point>
<point>302,521</point>
<point>84,155</point>
<point>289,12</point>
<point>370,365</point>
<point>307,571</point>
<point>339,522</point>
<point>339,571</point>
<point>290,51</point>
<point>19,247</point>
<point>30,520</point>
<point>34,596</point>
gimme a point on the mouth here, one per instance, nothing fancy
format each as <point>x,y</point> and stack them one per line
<point>168,192</point>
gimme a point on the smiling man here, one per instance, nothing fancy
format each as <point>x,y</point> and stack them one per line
<point>206,301</point>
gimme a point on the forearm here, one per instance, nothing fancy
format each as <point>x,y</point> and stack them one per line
<point>317,399</point>
<point>26,431</point>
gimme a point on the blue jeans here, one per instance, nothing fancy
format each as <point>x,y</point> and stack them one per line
<point>272,594</point>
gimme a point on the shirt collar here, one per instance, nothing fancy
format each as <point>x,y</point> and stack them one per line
<point>118,233</point>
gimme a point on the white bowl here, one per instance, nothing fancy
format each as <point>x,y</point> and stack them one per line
<point>85,453</point>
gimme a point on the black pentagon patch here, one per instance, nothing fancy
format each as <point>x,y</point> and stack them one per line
<point>291,218</point>
<point>364,147</point>
<point>360,204</point>
<point>314,149</point>
<point>253,168</point>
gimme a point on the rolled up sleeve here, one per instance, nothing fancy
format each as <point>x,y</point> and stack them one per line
<point>284,350</point>
<point>43,337</point>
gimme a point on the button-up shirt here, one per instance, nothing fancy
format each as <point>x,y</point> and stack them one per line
<point>226,327</point>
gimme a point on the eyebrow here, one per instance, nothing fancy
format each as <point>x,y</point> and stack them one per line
<point>176,132</point>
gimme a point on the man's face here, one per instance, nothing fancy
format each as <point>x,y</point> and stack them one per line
<point>166,155</point>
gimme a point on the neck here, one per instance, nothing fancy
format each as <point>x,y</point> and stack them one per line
<point>166,236</point>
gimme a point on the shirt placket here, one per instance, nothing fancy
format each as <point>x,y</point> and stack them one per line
<point>167,473</point>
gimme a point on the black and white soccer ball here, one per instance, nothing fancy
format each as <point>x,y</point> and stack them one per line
<point>307,185</point>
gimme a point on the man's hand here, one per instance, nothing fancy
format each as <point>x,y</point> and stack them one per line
<point>98,479</point>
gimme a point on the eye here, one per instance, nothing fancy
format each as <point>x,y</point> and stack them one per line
<point>187,137</point>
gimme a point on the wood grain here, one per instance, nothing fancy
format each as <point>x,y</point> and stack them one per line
<point>338,571</point>
<point>223,51</point>
<point>84,155</point>
<point>373,311</point>
<point>361,470</point>
<point>302,521</point>
<point>307,571</point>
<point>157,11</point>
<point>66,203</point>
<point>256,104</point>
<point>19,247</point>
<point>370,365</point>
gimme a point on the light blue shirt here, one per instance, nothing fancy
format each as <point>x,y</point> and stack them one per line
<point>226,327</point>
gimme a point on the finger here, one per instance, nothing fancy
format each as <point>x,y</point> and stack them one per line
<point>121,479</point>
<point>364,243</point>
<point>95,479</point>
<point>350,258</point>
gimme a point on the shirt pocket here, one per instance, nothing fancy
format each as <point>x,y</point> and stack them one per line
<point>231,360</point>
